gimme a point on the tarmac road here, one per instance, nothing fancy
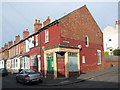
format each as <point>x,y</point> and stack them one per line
<point>105,81</point>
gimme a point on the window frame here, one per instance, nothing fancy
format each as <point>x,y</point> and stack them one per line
<point>33,60</point>
<point>46,36</point>
<point>99,62</point>
<point>36,40</point>
<point>83,61</point>
<point>86,41</point>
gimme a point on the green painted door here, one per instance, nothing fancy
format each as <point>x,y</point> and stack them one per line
<point>50,64</point>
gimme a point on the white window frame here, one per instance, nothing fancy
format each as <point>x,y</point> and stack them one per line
<point>46,36</point>
<point>36,40</point>
<point>99,51</point>
<point>14,51</point>
<point>86,41</point>
<point>33,61</point>
<point>17,50</point>
<point>83,59</point>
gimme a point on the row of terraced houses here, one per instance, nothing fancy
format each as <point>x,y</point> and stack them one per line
<point>69,45</point>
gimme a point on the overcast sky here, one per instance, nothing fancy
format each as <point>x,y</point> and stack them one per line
<point>19,16</point>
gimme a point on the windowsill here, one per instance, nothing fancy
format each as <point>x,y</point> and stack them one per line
<point>99,64</point>
<point>86,45</point>
<point>47,42</point>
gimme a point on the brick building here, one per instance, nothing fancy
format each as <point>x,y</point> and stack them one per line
<point>71,44</point>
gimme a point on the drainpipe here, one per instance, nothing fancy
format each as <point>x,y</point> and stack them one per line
<point>40,47</point>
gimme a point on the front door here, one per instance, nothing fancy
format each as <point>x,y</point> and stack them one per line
<point>61,64</point>
<point>50,64</point>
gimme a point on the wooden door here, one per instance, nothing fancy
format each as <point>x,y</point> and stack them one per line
<point>60,65</point>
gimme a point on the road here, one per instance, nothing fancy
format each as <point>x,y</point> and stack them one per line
<point>105,81</point>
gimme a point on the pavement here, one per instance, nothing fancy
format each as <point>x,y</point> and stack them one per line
<point>78,78</point>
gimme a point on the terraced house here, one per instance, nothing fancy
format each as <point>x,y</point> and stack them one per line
<point>69,45</point>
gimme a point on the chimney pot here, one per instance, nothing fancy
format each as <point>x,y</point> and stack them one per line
<point>38,21</point>
<point>26,29</point>
<point>48,17</point>
<point>35,20</point>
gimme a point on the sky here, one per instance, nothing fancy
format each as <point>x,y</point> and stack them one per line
<point>19,16</point>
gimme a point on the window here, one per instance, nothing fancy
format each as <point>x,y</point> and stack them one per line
<point>16,62</point>
<point>72,54</point>
<point>36,40</point>
<point>86,41</point>
<point>83,59</point>
<point>99,56</point>
<point>12,63</point>
<point>46,36</point>
<point>33,60</point>
<point>110,39</point>
<point>14,51</point>
<point>22,63</point>
<point>17,50</point>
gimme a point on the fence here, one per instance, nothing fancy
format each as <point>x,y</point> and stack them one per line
<point>112,58</point>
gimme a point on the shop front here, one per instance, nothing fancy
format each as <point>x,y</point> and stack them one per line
<point>60,62</point>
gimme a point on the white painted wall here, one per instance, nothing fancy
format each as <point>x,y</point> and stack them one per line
<point>29,44</point>
<point>110,33</point>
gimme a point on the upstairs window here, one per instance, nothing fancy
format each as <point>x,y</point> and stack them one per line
<point>36,40</point>
<point>86,41</point>
<point>17,50</point>
<point>46,36</point>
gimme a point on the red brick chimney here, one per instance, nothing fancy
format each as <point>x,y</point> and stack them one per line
<point>25,34</point>
<point>5,46</point>
<point>116,22</point>
<point>10,43</point>
<point>46,22</point>
<point>17,39</point>
<point>37,25</point>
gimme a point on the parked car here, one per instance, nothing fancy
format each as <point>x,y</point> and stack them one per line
<point>29,75</point>
<point>3,72</point>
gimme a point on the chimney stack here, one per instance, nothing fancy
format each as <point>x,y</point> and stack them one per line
<point>25,34</point>
<point>46,22</point>
<point>17,39</point>
<point>10,43</point>
<point>2,48</point>
<point>116,22</point>
<point>37,25</point>
<point>5,46</point>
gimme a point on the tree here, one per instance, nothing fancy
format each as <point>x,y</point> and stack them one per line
<point>116,52</point>
<point>106,53</point>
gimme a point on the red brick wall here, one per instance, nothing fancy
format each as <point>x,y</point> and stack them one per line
<point>54,33</point>
<point>80,23</point>
<point>108,63</point>
<point>76,26</point>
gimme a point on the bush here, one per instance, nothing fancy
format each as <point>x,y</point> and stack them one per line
<point>106,53</point>
<point>116,52</point>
